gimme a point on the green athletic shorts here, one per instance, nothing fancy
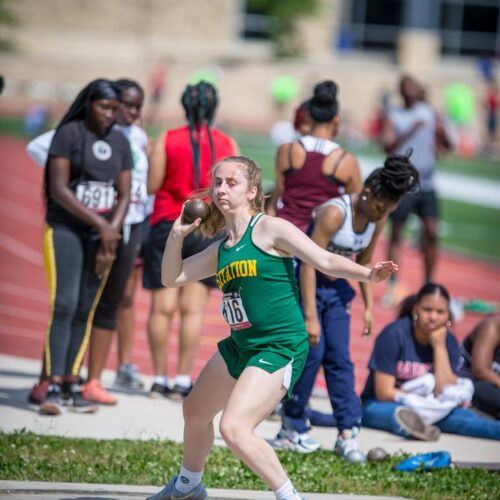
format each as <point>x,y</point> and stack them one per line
<point>269,359</point>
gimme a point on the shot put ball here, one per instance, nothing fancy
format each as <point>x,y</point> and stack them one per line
<point>377,454</point>
<point>194,209</point>
<point>356,457</point>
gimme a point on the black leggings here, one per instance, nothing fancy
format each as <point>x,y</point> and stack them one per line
<point>74,289</point>
<point>128,250</point>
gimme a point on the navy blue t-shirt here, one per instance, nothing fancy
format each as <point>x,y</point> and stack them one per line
<point>397,353</point>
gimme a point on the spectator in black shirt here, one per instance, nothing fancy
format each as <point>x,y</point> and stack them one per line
<point>87,189</point>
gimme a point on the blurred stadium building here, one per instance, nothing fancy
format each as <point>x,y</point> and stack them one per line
<point>364,45</point>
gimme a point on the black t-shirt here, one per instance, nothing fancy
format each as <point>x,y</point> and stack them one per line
<point>397,353</point>
<point>96,163</point>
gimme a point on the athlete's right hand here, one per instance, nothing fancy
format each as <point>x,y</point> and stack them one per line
<point>313,329</point>
<point>181,230</point>
<point>109,237</point>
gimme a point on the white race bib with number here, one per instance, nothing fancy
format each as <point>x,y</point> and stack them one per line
<point>138,192</point>
<point>233,311</point>
<point>97,196</point>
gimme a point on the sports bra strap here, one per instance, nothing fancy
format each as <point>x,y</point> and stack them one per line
<point>338,162</point>
<point>255,218</point>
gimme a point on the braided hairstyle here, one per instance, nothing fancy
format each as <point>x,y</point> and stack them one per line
<point>396,178</point>
<point>200,102</point>
<point>323,106</point>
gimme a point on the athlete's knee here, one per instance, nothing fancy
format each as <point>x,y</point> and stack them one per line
<point>431,236</point>
<point>65,308</point>
<point>127,300</point>
<point>396,234</point>
<point>232,431</point>
<point>194,411</point>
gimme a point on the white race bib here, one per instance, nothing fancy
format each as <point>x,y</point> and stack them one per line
<point>138,192</point>
<point>233,311</point>
<point>97,196</point>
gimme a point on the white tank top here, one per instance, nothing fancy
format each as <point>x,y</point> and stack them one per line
<point>346,241</point>
<point>314,144</point>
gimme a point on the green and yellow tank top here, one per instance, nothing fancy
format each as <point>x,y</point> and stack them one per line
<point>261,296</point>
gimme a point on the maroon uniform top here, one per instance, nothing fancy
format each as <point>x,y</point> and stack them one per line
<point>307,187</point>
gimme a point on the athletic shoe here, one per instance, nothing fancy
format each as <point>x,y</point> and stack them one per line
<point>293,441</point>
<point>170,492</point>
<point>53,404</point>
<point>179,392</point>
<point>39,393</point>
<point>347,447</point>
<point>76,402</point>
<point>158,391</point>
<point>128,376</point>
<point>94,392</point>
<point>412,423</point>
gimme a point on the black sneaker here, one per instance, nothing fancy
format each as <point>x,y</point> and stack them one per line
<point>76,402</point>
<point>158,391</point>
<point>179,392</point>
<point>53,404</point>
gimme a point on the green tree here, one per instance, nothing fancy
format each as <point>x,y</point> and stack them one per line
<point>284,15</point>
<point>8,20</point>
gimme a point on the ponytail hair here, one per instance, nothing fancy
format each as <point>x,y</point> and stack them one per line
<point>215,222</point>
<point>396,178</point>
<point>406,306</point>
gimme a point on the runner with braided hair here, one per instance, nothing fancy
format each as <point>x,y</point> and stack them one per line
<point>180,165</point>
<point>348,225</point>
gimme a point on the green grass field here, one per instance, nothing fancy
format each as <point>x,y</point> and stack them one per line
<point>469,229</point>
<point>28,457</point>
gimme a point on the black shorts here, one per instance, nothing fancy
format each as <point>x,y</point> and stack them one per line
<point>146,229</point>
<point>424,204</point>
<point>126,253</point>
<point>193,244</point>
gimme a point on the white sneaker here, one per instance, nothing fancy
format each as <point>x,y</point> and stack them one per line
<point>293,441</point>
<point>348,447</point>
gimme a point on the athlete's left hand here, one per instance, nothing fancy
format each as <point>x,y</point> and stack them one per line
<point>382,270</point>
<point>103,261</point>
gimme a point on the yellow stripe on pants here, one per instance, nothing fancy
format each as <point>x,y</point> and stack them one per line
<point>49,264</point>
<point>75,369</point>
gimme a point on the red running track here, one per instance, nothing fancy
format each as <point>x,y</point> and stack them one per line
<point>23,293</point>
